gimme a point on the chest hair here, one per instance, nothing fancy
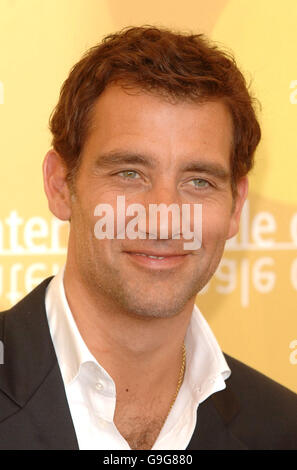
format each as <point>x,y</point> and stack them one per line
<point>140,432</point>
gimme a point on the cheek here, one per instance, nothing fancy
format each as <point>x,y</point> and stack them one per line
<point>215,226</point>
<point>82,226</point>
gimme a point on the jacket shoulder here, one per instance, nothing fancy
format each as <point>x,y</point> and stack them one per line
<point>268,410</point>
<point>25,304</point>
<point>27,347</point>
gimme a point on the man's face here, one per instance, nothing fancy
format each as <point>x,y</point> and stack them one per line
<point>152,151</point>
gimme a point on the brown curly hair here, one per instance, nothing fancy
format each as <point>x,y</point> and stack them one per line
<point>179,66</point>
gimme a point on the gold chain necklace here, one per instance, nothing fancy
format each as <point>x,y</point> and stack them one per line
<point>180,379</point>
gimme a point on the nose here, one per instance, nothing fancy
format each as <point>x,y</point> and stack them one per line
<point>163,211</point>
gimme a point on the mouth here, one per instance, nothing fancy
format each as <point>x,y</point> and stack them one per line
<point>156,260</point>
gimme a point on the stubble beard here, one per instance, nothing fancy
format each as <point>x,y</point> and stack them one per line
<point>154,295</point>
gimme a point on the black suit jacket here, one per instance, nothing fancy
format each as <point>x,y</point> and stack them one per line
<point>253,412</point>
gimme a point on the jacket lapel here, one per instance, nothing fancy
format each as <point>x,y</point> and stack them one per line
<point>214,415</point>
<point>32,388</point>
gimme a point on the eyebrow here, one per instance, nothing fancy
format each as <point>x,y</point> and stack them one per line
<point>118,158</point>
<point>110,159</point>
<point>214,169</point>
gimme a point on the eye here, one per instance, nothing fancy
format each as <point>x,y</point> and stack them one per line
<point>129,174</point>
<point>200,183</point>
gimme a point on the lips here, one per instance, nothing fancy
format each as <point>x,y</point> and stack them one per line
<point>155,255</point>
<point>157,260</point>
<point>150,256</point>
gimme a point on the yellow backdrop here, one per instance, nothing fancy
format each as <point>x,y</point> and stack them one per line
<point>251,301</point>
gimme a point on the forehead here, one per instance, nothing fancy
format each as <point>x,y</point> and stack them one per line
<point>169,132</point>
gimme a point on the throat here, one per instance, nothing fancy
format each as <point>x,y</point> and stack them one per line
<point>140,420</point>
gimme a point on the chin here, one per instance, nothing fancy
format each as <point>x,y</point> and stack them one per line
<point>154,308</point>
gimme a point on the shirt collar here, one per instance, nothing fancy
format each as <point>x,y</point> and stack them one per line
<point>71,350</point>
<point>206,364</point>
<point>208,367</point>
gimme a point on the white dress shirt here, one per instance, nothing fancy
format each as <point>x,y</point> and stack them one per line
<point>91,391</point>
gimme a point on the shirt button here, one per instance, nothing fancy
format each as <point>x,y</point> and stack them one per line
<point>99,386</point>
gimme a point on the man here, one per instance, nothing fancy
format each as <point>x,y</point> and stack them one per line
<point>112,353</point>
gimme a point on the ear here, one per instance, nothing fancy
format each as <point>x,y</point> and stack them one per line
<point>242,192</point>
<point>55,185</point>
